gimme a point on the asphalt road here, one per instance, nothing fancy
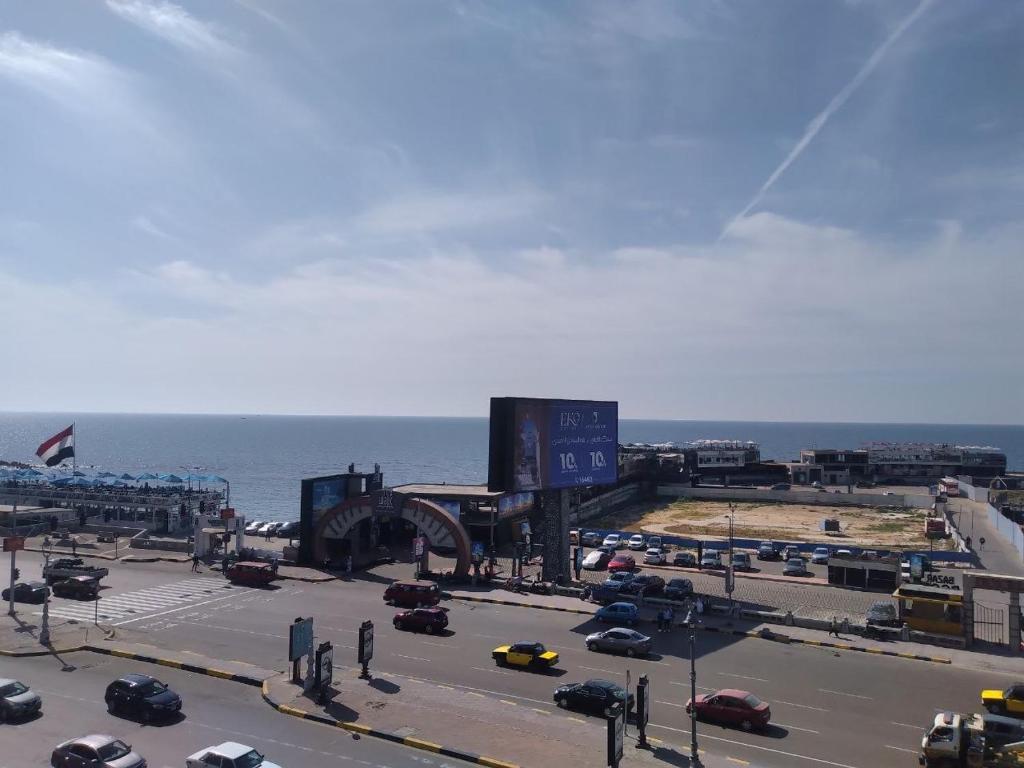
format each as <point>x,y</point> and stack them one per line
<point>214,711</point>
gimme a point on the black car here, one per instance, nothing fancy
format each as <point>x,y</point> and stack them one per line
<point>142,696</point>
<point>77,587</point>
<point>594,696</point>
<point>27,592</point>
<point>678,589</point>
<point>645,584</point>
<point>684,559</point>
<point>768,550</point>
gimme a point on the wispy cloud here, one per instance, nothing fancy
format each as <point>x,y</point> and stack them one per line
<point>175,25</point>
<point>447,211</point>
<point>819,121</point>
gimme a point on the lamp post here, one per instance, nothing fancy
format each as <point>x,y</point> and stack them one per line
<point>730,577</point>
<point>691,622</point>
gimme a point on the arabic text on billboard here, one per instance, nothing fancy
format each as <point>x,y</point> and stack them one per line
<point>515,503</point>
<point>327,493</point>
<point>564,444</point>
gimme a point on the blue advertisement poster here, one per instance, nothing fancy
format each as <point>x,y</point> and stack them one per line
<point>328,493</point>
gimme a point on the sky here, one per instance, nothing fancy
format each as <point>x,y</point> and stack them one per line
<point>795,210</point>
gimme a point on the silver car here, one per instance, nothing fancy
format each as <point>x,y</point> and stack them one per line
<point>16,700</point>
<point>96,751</point>
<point>795,566</point>
<point>620,640</point>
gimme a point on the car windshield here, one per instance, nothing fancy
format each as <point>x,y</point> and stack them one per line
<point>114,750</point>
<point>250,759</point>
<point>12,689</point>
<point>752,701</point>
<point>152,688</point>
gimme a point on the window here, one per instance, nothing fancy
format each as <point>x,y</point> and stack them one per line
<point>82,751</point>
<point>213,760</point>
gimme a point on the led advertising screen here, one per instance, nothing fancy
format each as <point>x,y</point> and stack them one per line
<point>328,493</point>
<point>551,444</point>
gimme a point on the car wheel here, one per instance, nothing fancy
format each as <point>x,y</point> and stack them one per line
<point>607,711</point>
<point>399,625</point>
<point>746,725</point>
<point>630,652</point>
<point>994,709</point>
<point>500,661</point>
<point>562,703</point>
<point>429,629</point>
<point>591,646</point>
<point>112,707</point>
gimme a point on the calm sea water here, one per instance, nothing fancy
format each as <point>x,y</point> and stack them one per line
<point>264,457</point>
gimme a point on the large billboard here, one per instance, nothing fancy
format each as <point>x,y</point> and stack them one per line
<point>549,444</point>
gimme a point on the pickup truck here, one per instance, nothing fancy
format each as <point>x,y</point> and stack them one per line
<point>69,567</point>
<point>977,741</point>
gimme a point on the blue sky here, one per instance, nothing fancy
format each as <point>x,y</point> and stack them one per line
<point>749,210</point>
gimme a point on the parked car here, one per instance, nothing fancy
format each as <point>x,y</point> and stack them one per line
<point>731,707</point>
<point>870,554</point>
<point>142,696</point>
<point>620,577</point>
<point>622,562</point>
<point>96,751</point>
<point>620,640</point>
<point>264,529</point>
<point>230,754</point>
<point>412,594</point>
<point>768,550</point>
<point>527,655</point>
<point>606,592</point>
<point>654,542</point>
<point>595,696</point>
<point>17,701</point>
<point>1004,702</point>
<point>816,484</point>
<point>614,541</point>
<point>618,613</point>
<point>596,561</point>
<point>781,487</point>
<point>677,589</point>
<point>77,587</point>
<point>654,556</point>
<point>637,542</point>
<point>254,526</point>
<point>591,539</point>
<point>842,553</point>
<point>882,614</point>
<point>741,561</point>
<point>820,556</point>
<point>648,585</point>
<point>795,566</point>
<point>712,559</point>
<point>684,559</point>
<point>27,592</point>
<point>429,620</point>
<point>289,529</point>
<point>790,551</point>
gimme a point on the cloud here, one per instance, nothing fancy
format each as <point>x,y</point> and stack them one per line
<point>175,25</point>
<point>145,224</point>
<point>443,211</point>
<point>819,121</point>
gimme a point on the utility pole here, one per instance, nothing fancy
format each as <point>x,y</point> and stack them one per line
<point>691,623</point>
<point>731,575</point>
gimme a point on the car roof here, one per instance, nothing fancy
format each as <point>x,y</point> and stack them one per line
<point>231,749</point>
<point>734,692</point>
<point>94,740</point>
<point>606,684</point>
<point>7,681</point>
<point>136,679</point>
<point>35,584</point>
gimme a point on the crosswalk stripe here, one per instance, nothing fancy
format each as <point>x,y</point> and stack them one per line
<point>142,602</point>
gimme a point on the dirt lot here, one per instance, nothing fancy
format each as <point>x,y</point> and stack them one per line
<point>860,526</point>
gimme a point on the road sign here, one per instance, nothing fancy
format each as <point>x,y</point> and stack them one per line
<point>300,639</point>
<point>478,552</point>
<point>14,543</point>
<point>616,732</point>
<point>324,665</point>
<point>227,513</point>
<point>419,546</point>
<point>365,642</point>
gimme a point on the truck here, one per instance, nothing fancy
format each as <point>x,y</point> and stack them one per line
<point>68,567</point>
<point>972,741</point>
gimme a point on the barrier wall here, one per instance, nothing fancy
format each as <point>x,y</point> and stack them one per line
<point>800,497</point>
<point>1005,527</point>
<point>604,503</point>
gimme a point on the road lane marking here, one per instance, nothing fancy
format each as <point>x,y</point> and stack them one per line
<point>820,760</point>
<point>737,760</point>
<point>411,658</point>
<point>436,645</point>
<point>599,669</point>
<point>795,727</point>
<point>506,701</point>
<point>490,637</point>
<point>842,693</point>
<point>907,725</point>
<point>801,706</point>
<point>493,671</point>
<point>542,711</point>
<point>900,749</point>
<point>742,677</point>
<point>472,689</point>
<point>671,704</point>
<point>576,720</point>
<point>185,607</point>
<point>687,685</point>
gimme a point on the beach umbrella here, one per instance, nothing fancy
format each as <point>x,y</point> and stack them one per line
<point>78,473</point>
<point>81,481</point>
<point>169,477</point>
<point>106,474</point>
<point>213,479</point>
<point>126,476</point>
<point>147,476</point>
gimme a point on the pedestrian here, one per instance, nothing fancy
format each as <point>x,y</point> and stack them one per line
<point>195,562</point>
<point>661,620</point>
<point>700,553</point>
<point>700,606</point>
<point>348,566</point>
<point>967,541</point>
<point>670,616</point>
<point>833,627</point>
<point>74,546</point>
<point>266,535</point>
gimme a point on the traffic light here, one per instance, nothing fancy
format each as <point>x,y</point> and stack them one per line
<point>17,573</point>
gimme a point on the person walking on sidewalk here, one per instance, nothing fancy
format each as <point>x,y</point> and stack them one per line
<point>661,619</point>
<point>670,616</point>
<point>195,562</point>
<point>833,627</point>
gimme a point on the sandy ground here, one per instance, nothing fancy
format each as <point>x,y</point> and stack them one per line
<point>897,527</point>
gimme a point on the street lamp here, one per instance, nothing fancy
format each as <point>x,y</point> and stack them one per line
<point>691,622</point>
<point>730,576</point>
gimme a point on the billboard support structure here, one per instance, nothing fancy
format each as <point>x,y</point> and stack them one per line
<point>555,566</point>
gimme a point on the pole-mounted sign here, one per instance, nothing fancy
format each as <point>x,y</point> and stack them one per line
<point>366,646</point>
<point>643,708</point>
<point>616,731</point>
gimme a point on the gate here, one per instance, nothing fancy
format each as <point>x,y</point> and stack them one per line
<point>990,623</point>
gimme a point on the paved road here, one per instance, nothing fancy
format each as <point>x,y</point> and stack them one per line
<point>215,711</point>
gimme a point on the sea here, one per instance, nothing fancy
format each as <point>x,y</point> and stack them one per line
<point>265,457</point>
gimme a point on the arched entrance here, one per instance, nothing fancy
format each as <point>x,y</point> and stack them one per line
<point>438,525</point>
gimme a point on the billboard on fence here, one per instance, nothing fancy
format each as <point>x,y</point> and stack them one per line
<point>549,444</point>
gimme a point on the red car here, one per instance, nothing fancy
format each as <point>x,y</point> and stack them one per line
<point>430,620</point>
<point>732,707</point>
<point>622,562</point>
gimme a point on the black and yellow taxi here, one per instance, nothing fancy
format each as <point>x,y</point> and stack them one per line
<point>1007,702</point>
<point>528,655</point>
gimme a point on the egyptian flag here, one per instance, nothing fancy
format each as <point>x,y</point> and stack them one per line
<point>58,448</point>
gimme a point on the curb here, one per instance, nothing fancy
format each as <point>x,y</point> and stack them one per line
<point>737,632</point>
<point>364,730</point>
<point>307,579</point>
<point>42,652</point>
<point>69,553</point>
<point>184,666</point>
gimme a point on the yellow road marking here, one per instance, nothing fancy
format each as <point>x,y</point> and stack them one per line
<point>737,760</point>
<point>542,711</point>
<point>411,741</point>
<point>492,763</point>
<point>506,701</point>
<point>577,720</point>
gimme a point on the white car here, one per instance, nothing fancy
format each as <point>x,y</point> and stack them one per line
<point>820,556</point>
<point>654,556</point>
<point>265,529</point>
<point>230,754</point>
<point>613,540</point>
<point>637,542</point>
<point>711,559</point>
<point>254,526</point>
<point>654,542</point>
<point>596,560</point>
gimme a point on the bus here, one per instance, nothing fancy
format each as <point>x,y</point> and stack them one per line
<point>949,486</point>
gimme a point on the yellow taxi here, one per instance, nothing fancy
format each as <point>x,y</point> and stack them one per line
<point>526,655</point>
<point>1010,701</point>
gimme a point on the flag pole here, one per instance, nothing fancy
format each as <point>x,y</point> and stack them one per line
<point>74,450</point>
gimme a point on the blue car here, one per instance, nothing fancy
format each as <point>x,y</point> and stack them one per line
<point>619,613</point>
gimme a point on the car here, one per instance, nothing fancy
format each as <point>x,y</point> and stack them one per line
<point>412,594</point>
<point>430,620</point>
<point>1004,702</point>
<point>289,529</point>
<point>637,542</point>
<point>251,573</point>
<point>230,754</point>
<point>781,487</point>
<point>95,751</point>
<point>142,696</point>
<point>741,561</point>
<point>684,559</point>
<point>731,706</point>
<point>619,578</point>
<point>254,526</point>
<point>618,613</point>
<point>620,640</point>
<point>654,542</point>
<point>711,559</point>
<point>77,587</point>
<point>677,589</point>
<point>882,614</point>
<point>654,556</point>
<point>17,700</point>
<point>606,592</point>
<point>591,539</point>
<point>622,562</point>
<point>646,584</point>
<point>596,561</point>
<point>527,655</point>
<point>790,551</point>
<point>795,566</point>
<point>816,484</point>
<point>264,529</point>
<point>820,556</point>
<point>842,553</point>
<point>27,592</point>
<point>614,541</point>
<point>596,696</point>
<point>870,554</point>
<point>767,550</point>
<point>610,550</point>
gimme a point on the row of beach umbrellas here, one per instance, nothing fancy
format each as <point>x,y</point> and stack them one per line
<point>79,478</point>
